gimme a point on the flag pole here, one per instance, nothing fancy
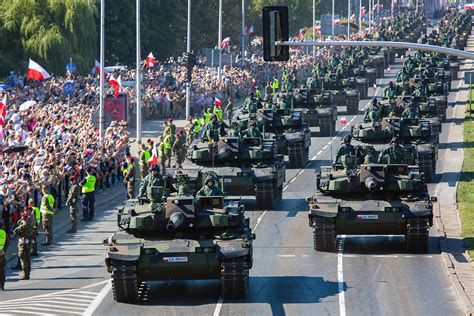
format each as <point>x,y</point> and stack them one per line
<point>138,79</point>
<point>332,20</point>
<point>243,35</point>
<point>188,49</point>
<point>219,40</point>
<point>102,74</point>
<point>314,26</point>
<point>348,18</point>
<point>360,15</point>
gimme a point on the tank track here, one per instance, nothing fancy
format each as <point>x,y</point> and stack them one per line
<point>235,278</point>
<point>428,168</point>
<point>125,282</point>
<point>298,156</point>
<point>417,235</point>
<point>266,195</point>
<point>324,234</point>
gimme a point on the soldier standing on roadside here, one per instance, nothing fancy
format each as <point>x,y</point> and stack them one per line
<point>47,212</point>
<point>36,214</point>
<point>73,203</point>
<point>3,251</point>
<point>24,233</point>
<point>179,149</point>
<point>129,174</point>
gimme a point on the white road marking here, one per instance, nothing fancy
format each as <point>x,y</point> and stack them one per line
<point>318,153</point>
<point>286,256</point>
<point>329,142</point>
<point>285,187</point>
<point>258,221</point>
<point>340,279</point>
<point>99,298</point>
<point>292,180</point>
<point>300,172</point>
<point>325,146</point>
<point>217,311</point>
<point>314,157</point>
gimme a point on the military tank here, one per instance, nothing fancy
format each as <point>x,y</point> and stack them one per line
<point>373,199</point>
<point>318,109</point>
<point>245,166</point>
<point>180,238</point>
<point>292,137</point>
<point>415,134</point>
<point>345,93</point>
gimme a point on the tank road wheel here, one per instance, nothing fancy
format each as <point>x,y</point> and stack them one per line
<point>426,166</point>
<point>324,234</point>
<point>417,235</point>
<point>297,155</point>
<point>235,278</point>
<point>266,195</point>
<point>125,282</point>
<point>325,126</point>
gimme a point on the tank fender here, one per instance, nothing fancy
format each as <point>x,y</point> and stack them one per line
<point>123,252</point>
<point>231,249</point>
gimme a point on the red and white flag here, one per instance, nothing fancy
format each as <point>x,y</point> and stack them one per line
<point>353,18</point>
<point>217,102</point>
<point>300,35</point>
<point>362,12</point>
<point>150,60</point>
<point>343,120</point>
<point>337,22</point>
<point>116,85</point>
<point>153,160</point>
<point>97,67</point>
<point>3,110</point>
<point>225,43</point>
<point>36,72</point>
<point>374,86</point>
<point>254,82</point>
<point>248,30</point>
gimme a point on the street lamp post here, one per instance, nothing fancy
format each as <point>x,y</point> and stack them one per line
<point>243,35</point>
<point>314,28</point>
<point>138,79</point>
<point>332,19</point>
<point>219,40</point>
<point>188,50</point>
<point>348,18</point>
<point>101,75</point>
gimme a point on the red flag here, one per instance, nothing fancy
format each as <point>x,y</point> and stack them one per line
<point>97,67</point>
<point>150,60</point>
<point>217,102</point>
<point>343,120</point>
<point>3,110</point>
<point>36,72</point>
<point>300,35</point>
<point>254,82</point>
<point>154,157</point>
<point>337,22</point>
<point>353,17</point>
<point>225,43</point>
<point>362,12</point>
<point>116,85</point>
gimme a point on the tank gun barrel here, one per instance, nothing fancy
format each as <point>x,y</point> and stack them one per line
<point>371,184</point>
<point>176,219</point>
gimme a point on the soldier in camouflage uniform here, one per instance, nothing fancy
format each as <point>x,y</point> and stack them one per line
<point>395,153</point>
<point>179,149</point>
<point>211,130</point>
<point>210,189</point>
<point>252,131</point>
<point>3,252</point>
<point>154,179</point>
<point>344,151</point>
<point>73,202</point>
<point>389,92</point>
<point>47,213</point>
<point>373,112</point>
<point>24,233</point>
<point>129,178</point>
<point>411,112</point>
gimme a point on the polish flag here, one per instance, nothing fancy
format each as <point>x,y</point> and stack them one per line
<point>362,12</point>
<point>353,18</point>
<point>254,82</point>
<point>343,120</point>
<point>154,157</point>
<point>36,72</point>
<point>116,85</point>
<point>375,86</point>
<point>337,22</point>
<point>217,102</point>
<point>225,43</point>
<point>388,69</point>
<point>150,60</point>
<point>300,35</point>
<point>248,30</point>
<point>97,67</point>
<point>3,110</point>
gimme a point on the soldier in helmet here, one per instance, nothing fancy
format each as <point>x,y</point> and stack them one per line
<point>394,153</point>
<point>389,91</point>
<point>373,112</point>
<point>411,112</point>
<point>252,131</point>
<point>154,179</point>
<point>250,105</point>
<point>210,189</point>
<point>24,232</point>
<point>345,150</point>
<point>211,130</point>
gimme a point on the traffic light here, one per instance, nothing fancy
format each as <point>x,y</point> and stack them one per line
<point>190,60</point>
<point>275,28</point>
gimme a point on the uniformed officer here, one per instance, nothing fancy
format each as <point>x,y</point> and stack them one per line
<point>211,130</point>
<point>346,149</point>
<point>24,232</point>
<point>394,153</point>
<point>36,214</point>
<point>162,154</point>
<point>88,195</point>
<point>154,179</point>
<point>229,110</point>
<point>47,212</point>
<point>179,149</point>
<point>411,112</point>
<point>250,104</point>
<point>143,163</point>
<point>3,252</point>
<point>210,189</point>
<point>73,202</point>
<point>168,144</point>
<point>217,111</point>
<point>389,92</point>
<point>373,112</point>
<point>129,177</point>
<point>252,131</point>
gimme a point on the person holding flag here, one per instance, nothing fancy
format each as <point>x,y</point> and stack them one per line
<point>149,61</point>
<point>217,111</point>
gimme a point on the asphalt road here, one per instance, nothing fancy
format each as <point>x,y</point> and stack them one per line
<point>370,275</point>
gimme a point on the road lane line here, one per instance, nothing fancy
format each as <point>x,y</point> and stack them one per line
<point>325,147</point>
<point>314,157</point>
<point>340,278</point>
<point>258,221</point>
<point>300,172</point>
<point>217,311</point>
<point>98,300</point>
<point>286,256</point>
<point>318,153</point>
<point>286,187</point>
<point>292,180</point>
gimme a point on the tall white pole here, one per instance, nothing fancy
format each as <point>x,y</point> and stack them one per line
<point>391,8</point>
<point>243,35</point>
<point>332,19</point>
<point>138,88</point>
<point>378,9</point>
<point>101,75</point>
<point>370,14</point>
<point>188,49</point>
<point>360,15</point>
<point>348,19</point>
<point>314,28</point>
<point>219,41</point>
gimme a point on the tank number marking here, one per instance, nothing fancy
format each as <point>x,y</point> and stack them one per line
<point>369,217</point>
<point>227,180</point>
<point>175,259</point>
